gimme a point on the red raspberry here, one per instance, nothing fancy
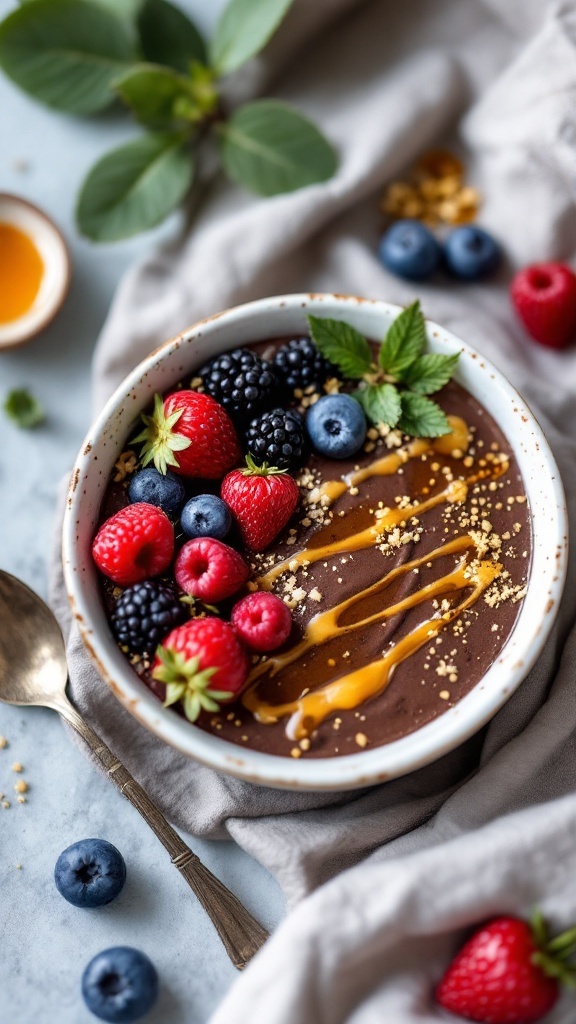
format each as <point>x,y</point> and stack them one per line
<point>202,664</point>
<point>208,569</point>
<point>191,434</point>
<point>544,296</point>
<point>499,976</point>
<point>134,544</point>
<point>262,621</point>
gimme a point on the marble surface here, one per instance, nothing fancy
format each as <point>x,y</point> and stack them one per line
<point>45,942</point>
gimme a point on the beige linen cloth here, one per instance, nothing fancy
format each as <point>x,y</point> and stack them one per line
<point>381,882</point>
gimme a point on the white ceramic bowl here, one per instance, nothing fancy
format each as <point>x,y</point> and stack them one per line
<point>56,277</point>
<point>178,359</point>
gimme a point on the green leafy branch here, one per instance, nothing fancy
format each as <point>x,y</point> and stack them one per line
<point>80,56</point>
<point>394,389</point>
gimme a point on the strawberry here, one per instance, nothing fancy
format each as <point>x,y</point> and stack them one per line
<point>202,664</point>
<point>192,434</point>
<point>508,972</point>
<point>262,498</point>
<point>210,570</point>
<point>134,544</point>
<point>544,296</point>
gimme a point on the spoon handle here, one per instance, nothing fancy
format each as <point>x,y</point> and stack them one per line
<point>241,934</point>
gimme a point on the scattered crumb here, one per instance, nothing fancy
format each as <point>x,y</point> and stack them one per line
<point>17,767</point>
<point>361,739</point>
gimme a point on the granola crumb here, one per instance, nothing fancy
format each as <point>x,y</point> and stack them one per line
<point>296,752</point>
<point>361,739</point>
<point>444,694</point>
<point>21,786</point>
<point>3,742</point>
<point>17,767</point>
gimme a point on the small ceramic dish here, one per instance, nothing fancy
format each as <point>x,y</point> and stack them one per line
<point>180,358</point>
<point>55,280</point>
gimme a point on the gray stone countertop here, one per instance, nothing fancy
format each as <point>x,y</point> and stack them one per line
<point>46,942</point>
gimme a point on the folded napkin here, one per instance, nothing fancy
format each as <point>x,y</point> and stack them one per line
<point>398,869</point>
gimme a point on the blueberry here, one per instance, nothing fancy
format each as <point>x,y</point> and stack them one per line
<point>206,516</point>
<point>410,250</point>
<point>120,984</point>
<point>90,873</point>
<point>164,490</point>
<point>336,426</point>
<point>471,253</point>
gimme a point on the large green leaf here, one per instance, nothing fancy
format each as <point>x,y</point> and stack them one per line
<point>269,147</point>
<point>65,52</point>
<point>135,187</point>
<point>154,94</point>
<point>168,36</point>
<point>244,28</point>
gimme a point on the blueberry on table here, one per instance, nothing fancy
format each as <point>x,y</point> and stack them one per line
<point>164,490</point>
<point>471,253</point>
<point>410,250</point>
<point>120,984</point>
<point>90,873</point>
<point>336,426</point>
<point>206,515</point>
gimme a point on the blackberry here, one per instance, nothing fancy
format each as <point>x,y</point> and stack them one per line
<point>145,613</point>
<point>240,381</point>
<point>277,438</point>
<point>299,364</point>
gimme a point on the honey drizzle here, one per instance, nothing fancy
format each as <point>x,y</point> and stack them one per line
<point>309,711</point>
<point>454,493</point>
<point>324,626</point>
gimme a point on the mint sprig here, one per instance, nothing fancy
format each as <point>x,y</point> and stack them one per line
<point>394,389</point>
<point>23,409</point>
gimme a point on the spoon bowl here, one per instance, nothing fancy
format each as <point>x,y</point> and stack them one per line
<point>33,666</point>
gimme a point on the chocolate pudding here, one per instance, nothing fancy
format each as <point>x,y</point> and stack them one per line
<point>404,568</point>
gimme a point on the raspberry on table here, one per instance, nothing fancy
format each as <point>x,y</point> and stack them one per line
<point>262,621</point>
<point>240,381</point>
<point>299,364</point>
<point>544,296</point>
<point>278,438</point>
<point>134,544</point>
<point>210,570</point>
<point>145,613</point>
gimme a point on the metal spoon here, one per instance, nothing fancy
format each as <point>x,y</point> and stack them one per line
<point>33,670</point>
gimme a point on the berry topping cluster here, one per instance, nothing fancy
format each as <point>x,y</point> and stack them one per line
<point>213,488</point>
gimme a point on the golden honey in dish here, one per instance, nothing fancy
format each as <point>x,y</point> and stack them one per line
<point>21,272</point>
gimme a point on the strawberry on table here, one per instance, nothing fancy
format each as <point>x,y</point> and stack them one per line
<point>134,544</point>
<point>190,433</point>
<point>544,296</point>
<point>262,499</point>
<point>508,972</point>
<point>202,664</point>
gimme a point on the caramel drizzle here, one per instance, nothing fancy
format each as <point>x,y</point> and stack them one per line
<point>309,711</point>
<point>455,492</point>
<point>324,626</point>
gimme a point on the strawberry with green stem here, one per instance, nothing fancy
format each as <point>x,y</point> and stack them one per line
<point>509,972</point>
<point>262,499</point>
<point>202,664</point>
<point>190,433</point>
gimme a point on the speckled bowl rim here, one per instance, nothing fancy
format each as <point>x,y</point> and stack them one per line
<point>181,356</point>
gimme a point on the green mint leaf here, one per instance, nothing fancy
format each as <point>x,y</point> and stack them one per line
<point>342,345</point>
<point>269,147</point>
<point>126,9</point>
<point>421,417</point>
<point>381,403</point>
<point>168,36</point>
<point>244,28</point>
<point>66,53</point>
<point>404,341</point>
<point>135,187</point>
<point>430,372</point>
<point>158,97</point>
<point>23,409</point>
